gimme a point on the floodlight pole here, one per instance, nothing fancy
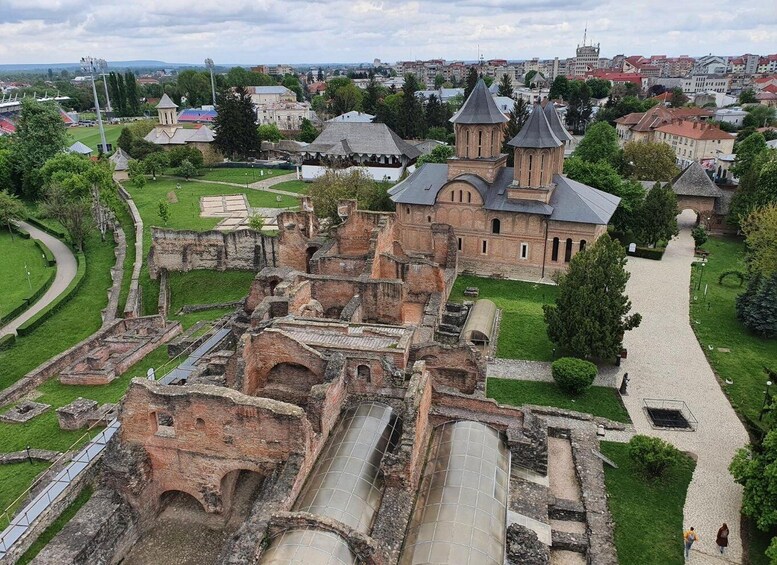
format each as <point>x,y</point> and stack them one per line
<point>209,64</point>
<point>103,68</point>
<point>90,65</point>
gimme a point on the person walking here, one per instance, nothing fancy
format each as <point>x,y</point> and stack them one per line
<point>722,538</point>
<point>689,537</point>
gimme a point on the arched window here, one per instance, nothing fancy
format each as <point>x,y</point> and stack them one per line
<point>542,167</point>
<point>363,372</point>
<point>582,245</point>
<point>568,251</point>
<point>480,141</point>
<point>531,162</point>
<point>469,197</point>
<point>407,210</point>
<point>452,195</point>
<point>495,225</point>
<point>429,219</point>
<point>461,244</point>
<point>466,146</point>
<point>554,252</point>
<point>461,196</point>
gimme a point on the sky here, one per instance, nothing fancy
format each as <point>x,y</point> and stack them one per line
<point>353,31</point>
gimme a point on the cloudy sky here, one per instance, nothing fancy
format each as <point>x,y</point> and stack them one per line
<point>299,31</point>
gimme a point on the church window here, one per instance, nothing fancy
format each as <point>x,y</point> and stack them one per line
<point>554,252</point>
<point>461,244</point>
<point>524,250</point>
<point>466,146</point>
<point>451,196</point>
<point>495,225</point>
<point>480,142</point>
<point>485,247</point>
<point>568,251</point>
<point>582,245</point>
<point>469,197</point>
<point>461,196</point>
<point>542,167</point>
<point>407,210</point>
<point>429,219</point>
<point>531,162</point>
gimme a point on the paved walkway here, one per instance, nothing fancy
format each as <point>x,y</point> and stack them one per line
<point>66,272</point>
<point>666,362</point>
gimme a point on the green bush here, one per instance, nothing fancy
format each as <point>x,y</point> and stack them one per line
<point>652,455</point>
<point>736,273</point>
<point>655,253</point>
<point>573,375</point>
<point>699,235</point>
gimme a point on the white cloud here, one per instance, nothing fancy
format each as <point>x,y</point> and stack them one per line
<point>297,31</point>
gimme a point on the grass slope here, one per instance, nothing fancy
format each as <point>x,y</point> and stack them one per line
<point>298,186</point>
<point>715,323</point>
<point>597,400</point>
<point>90,136</point>
<point>522,334</point>
<point>14,255</point>
<point>648,515</point>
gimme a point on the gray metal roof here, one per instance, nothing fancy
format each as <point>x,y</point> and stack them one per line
<point>353,116</point>
<point>536,132</point>
<point>120,160</point>
<point>694,181</point>
<point>571,201</point>
<point>80,148</point>
<point>165,102</point>
<point>360,139</point>
<point>555,122</point>
<point>479,108</point>
<point>480,322</point>
<point>269,90</point>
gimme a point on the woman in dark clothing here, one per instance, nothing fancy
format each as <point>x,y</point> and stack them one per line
<point>722,538</point>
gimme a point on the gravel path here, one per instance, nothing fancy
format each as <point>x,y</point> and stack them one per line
<point>666,362</point>
<point>523,370</point>
<point>66,272</point>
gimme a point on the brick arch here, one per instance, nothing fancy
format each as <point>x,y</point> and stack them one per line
<point>230,481</point>
<point>167,492</point>
<point>444,195</point>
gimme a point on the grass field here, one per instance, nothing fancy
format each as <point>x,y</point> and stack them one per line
<point>15,253</point>
<point>522,333</point>
<point>715,323</point>
<point>90,136</point>
<point>298,186</point>
<point>242,175</point>
<point>648,515</point>
<point>597,400</point>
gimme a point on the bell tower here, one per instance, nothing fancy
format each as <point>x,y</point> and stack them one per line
<point>166,111</point>
<point>479,130</point>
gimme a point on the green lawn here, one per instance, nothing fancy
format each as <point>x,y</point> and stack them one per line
<point>648,515</point>
<point>243,175</point>
<point>15,253</point>
<point>298,186</point>
<point>597,400</point>
<point>90,136</point>
<point>56,526</point>
<point>208,287</point>
<point>522,334</point>
<point>14,480</point>
<point>714,320</point>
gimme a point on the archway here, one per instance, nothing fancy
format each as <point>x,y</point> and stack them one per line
<point>181,502</point>
<point>239,489</point>
<point>290,382</point>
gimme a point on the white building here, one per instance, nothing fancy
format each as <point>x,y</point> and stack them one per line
<point>696,84</point>
<point>278,105</point>
<point>733,116</point>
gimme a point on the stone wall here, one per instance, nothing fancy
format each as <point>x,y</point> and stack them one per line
<point>460,367</point>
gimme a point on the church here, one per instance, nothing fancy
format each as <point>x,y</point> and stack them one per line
<point>524,222</point>
<point>170,133</point>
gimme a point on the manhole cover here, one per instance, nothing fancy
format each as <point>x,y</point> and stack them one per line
<point>665,418</point>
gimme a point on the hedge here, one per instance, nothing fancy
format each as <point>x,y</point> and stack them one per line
<point>20,232</point>
<point>655,253</point>
<point>59,234</point>
<point>50,259</point>
<point>736,273</point>
<point>58,302</point>
<point>7,341</point>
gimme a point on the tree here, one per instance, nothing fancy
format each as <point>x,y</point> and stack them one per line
<point>195,87</point>
<point>438,133</point>
<point>132,96</point>
<point>699,235</point>
<point>760,229</point>
<point>125,140</point>
<point>648,160</point>
<point>439,154</point>
<point>514,124</point>
<point>756,308</point>
<point>412,120</point>
<point>756,471</point>
<point>308,132</point>
<point>256,222</point>
<point>471,82</point>
<point>591,312</point>
<point>184,153</point>
<point>236,133</point>
<point>72,209</point>
<point>371,98</point>
<point>137,173</point>
<point>156,162</point>
<point>506,86</point>
<point>600,143</point>
<point>658,215</point>
<point>320,75</point>
<point>439,81</point>
<point>11,208</point>
<point>746,153</point>
<point>652,455</point>
<point>186,169</point>
<point>331,187</point>
<point>579,106</point>
<point>436,114</point>
<point>747,96</point>
<point>164,211</point>
<point>758,116</point>
<point>559,89</point>
<point>270,132</point>
<point>40,134</point>
<point>346,98</point>
<point>678,99</point>
<point>600,88</point>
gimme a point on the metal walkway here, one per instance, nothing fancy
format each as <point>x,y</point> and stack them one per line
<point>182,371</point>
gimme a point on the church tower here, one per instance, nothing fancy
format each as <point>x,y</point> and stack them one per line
<point>539,155</point>
<point>479,130</point>
<point>166,112</point>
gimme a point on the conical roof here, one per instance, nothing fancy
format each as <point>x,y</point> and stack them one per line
<point>555,122</point>
<point>536,132</point>
<point>479,108</point>
<point>166,103</point>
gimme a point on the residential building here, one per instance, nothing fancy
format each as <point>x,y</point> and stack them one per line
<point>733,116</point>
<point>278,105</point>
<point>261,95</point>
<point>695,141</point>
<point>524,222</point>
<point>710,65</point>
<point>700,83</point>
<point>586,59</point>
<point>640,126</point>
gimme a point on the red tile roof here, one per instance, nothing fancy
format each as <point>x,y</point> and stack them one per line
<point>694,130</point>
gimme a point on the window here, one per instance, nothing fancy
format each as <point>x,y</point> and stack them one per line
<point>461,196</point>
<point>407,210</point>
<point>480,141</point>
<point>495,225</point>
<point>568,251</point>
<point>524,251</point>
<point>429,219</point>
<point>485,247</point>
<point>199,424</point>
<point>363,372</point>
<point>554,253</point>
<point>451,196</point>
<point>531,160</point>
<point>582,245</point>
<point>461,244</point>
<point>163,424</point>
<point>469,197</point>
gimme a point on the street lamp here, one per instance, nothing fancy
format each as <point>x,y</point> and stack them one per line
<point>91,66</point>
<point>767,400</point>
<point>701,274</point>
<point>210,66</point>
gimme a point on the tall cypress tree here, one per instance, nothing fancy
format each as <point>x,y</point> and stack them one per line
<point>506,86</point>
<point>131,87</point>
<point>235,124</point>
<point>472,80</point>
<point>513,126</point>
<point>121,103</point>
<point>412,122</point>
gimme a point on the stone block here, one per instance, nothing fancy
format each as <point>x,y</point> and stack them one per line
<point>75,415</point>
<point>23,412</point>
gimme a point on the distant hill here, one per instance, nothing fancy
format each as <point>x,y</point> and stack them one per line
<point>115,65</point>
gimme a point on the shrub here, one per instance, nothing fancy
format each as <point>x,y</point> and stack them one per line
<point>735,273</point>
<point>652,455</point>
<point>573,375</point>
<point>654,253</point>
<point>699,235</point>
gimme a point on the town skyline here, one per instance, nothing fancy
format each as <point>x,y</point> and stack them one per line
<point>243,33</point>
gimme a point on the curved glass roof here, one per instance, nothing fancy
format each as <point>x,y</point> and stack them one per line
<point>461,511</point>
<point>308,547</point>
<point>345,482</point>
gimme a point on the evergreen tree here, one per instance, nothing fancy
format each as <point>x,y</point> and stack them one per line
<point>472,80</point>
<point>518,118</point>
<point>113,89</point>
<point>658,215</point>
<point>559,88</point>
<point>371,97</point>
<point>591,312</point>
<point>436,116</point>
<point>412,120</point>
<point>320,75</point>
<point>125,140</point>
<point>121,90</point>
<point>308,133</point>
<point>132,97</point>
<point>506,86</point>
<point>757,306</point>
<point>236,132</point>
